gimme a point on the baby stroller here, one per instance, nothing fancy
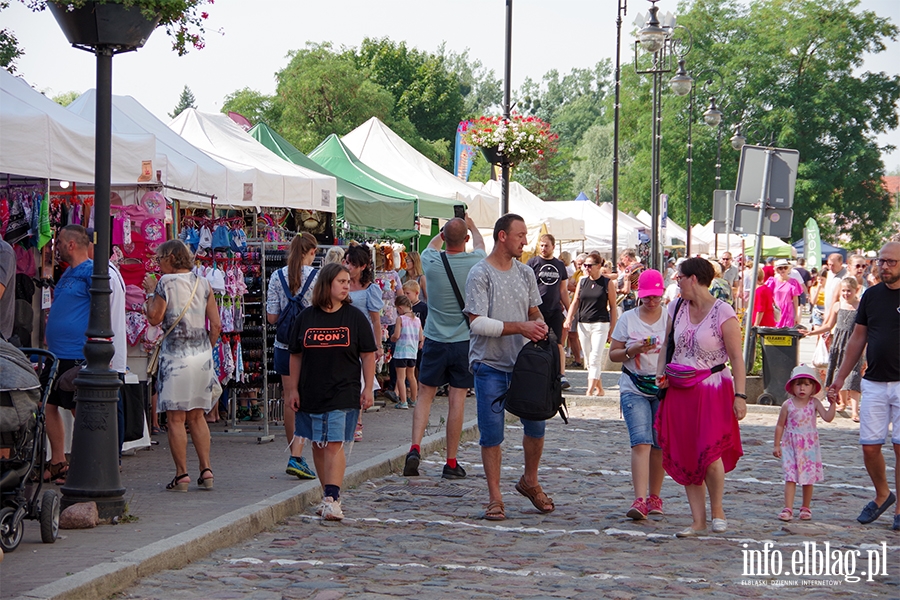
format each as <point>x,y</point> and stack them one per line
<point>22,405</point>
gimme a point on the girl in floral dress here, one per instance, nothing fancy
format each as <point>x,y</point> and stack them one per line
<point>797,439</point>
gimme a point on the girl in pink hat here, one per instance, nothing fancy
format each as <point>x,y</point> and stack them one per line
<point>797,439</point>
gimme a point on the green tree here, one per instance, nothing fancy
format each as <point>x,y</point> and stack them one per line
<point>424,89</point>
<point>321,92</point>
<point>790,69</point>
<point>479,87</point>
<point>255,106</point>
<point>185,101</point>
<point>9,45</point>
<point>66,98</point>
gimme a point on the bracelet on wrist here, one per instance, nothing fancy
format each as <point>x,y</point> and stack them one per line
<point>743,396</point>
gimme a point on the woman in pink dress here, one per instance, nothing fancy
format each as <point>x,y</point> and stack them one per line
<point>697,423</point>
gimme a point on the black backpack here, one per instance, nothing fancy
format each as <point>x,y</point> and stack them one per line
<point>535,389</point>
<point>286,317</point>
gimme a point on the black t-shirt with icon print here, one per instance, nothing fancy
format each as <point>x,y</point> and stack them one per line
<point>330,345</point>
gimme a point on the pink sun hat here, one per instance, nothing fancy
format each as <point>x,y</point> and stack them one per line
<point>650,283</point>
<point>802,371</point>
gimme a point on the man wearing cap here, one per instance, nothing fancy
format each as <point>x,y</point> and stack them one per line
<point>878,331</point>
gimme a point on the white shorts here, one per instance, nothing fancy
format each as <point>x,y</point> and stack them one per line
<point>878,408</point>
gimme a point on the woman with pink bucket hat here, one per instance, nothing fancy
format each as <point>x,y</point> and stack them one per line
<point>797,439</point>
<point>636,343</point>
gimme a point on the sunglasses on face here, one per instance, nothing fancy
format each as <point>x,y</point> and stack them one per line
<point>589,265</point>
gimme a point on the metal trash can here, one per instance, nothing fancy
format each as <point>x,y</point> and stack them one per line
<point>780,354</point>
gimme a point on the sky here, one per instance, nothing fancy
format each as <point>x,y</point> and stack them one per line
<point>256,37</point>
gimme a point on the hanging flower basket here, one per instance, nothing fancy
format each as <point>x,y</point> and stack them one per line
<point>100,24</point>
<point>517,139</point>
<point>127,24</point>
<point>492,154</point>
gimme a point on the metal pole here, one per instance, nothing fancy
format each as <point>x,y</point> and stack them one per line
<point>504,165</point>
<point>757,251</point>
<point>94,471</point>
<point>623,9</point>
<point>654,169</point>
<point>690,164</point>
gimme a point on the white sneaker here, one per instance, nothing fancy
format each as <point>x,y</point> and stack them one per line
<point>719,525</point>
<point>331,510</point>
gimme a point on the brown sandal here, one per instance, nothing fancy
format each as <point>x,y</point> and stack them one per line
<point>57,473</point>
<point>496,511</point>
<point>538,498</point>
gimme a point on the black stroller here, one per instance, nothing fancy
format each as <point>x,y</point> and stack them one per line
<point>22,438</point>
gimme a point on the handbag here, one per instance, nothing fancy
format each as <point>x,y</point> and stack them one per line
<point>820,356</point>
<point>153,361</point>
<point>670,346</point>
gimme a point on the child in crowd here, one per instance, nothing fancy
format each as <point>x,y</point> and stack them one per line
<point>408,338</point>
<point>797,439</point>
<point>420,309</point>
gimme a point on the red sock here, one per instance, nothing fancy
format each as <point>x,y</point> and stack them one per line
<point>451,462</point>
<point>414,447</point>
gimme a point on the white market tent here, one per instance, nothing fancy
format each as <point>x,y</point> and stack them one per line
<point>535,211</point>
<point>181,164</point>
<point>598,226</point>
<point>377,146</point>
<point>275,183</point>
<point>41,139</point>
<point>674,231</point>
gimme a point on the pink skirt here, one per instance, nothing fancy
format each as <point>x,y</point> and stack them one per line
<point>696,426</point>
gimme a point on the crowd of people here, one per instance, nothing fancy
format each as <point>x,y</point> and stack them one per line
<point>676,335</point>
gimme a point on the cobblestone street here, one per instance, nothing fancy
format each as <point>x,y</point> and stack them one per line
<point>424,537</point>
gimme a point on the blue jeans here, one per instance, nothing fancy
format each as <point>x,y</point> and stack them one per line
<point>640,413</point>
<point>490,384</point>
<point>322,428</point>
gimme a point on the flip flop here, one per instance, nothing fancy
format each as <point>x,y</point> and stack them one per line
<point>496,511</point>
<point>538,498</point>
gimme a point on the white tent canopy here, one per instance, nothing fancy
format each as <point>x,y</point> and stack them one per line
<point>535,211</point>
<point>598,226</point>
<point>181,164</point>
<point>674,231</point>
<point>377,146</point>
<point>41,139</point>
<point>275,182</point>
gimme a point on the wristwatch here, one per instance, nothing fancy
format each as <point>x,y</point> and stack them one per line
<point>626,354</point>
<point>737,395</point>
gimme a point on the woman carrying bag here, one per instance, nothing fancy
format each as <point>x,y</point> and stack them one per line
<point>183,303</point>
<point>697,422</point>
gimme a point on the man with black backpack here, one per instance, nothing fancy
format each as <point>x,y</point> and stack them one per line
<point>502,303</point>
<point>445,354</point>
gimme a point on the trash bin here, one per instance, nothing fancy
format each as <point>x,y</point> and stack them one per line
<point>780,354</point>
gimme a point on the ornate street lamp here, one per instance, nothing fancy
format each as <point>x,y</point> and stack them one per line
<point>105,29</point>
<point>659,39</point>
<point>623,9</point>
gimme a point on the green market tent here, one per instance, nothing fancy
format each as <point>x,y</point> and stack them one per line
<point>339,160</point>
<point>772,246</point>
<point>361,210</point>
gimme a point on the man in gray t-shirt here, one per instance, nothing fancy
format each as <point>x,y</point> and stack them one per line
<point>502,301</point>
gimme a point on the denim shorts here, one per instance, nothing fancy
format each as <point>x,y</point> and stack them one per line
<point>445,362</point>
<point>640,413</point>
<point>490,384</point>
<point>332,426</point>
<point>282,361</point>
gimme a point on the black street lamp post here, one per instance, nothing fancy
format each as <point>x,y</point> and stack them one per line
<point>660,40</point>
<point>622,10</point>
<point>105,30</point>
<point>507,110</point>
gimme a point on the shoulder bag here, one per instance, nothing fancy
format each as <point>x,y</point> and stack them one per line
<point>153,361</point>
<point>453,284</point>
<point>670,346</point>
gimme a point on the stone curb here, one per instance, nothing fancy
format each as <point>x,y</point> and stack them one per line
<point>100,581</point>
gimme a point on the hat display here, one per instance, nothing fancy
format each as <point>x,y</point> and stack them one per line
<point>650,283</point>
<point>803,372</point>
